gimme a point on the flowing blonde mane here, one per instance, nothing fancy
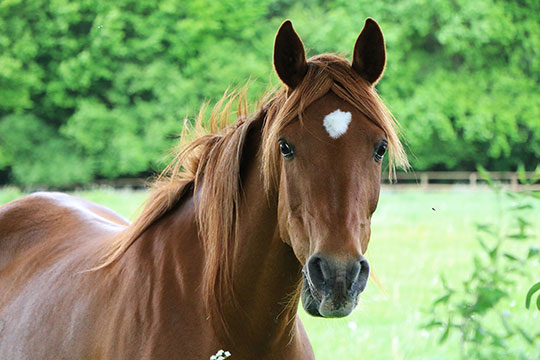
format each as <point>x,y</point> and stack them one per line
<point>209,159</point>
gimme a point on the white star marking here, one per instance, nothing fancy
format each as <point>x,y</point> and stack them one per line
<point>336,123</point>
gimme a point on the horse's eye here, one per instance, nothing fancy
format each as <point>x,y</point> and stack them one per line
<point>380,150</point>
<point>286,149</point>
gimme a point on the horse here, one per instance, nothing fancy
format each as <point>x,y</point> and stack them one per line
<point>248,218</point>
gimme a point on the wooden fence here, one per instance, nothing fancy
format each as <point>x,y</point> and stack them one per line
<point>425,180</point>
<point>433,180</point>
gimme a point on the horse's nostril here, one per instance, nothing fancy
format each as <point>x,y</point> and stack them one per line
<point>362,274</point>
<point>354,274</point>
<point>318,270</point>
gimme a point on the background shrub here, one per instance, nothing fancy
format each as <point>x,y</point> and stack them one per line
<point>94,89</point>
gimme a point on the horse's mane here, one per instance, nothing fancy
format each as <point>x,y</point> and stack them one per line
<point>209,159</point>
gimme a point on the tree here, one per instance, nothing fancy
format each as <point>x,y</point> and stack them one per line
<point>104,86</point>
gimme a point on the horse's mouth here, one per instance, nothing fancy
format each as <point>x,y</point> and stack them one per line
<point>321,303</point>
<point>309,301</point>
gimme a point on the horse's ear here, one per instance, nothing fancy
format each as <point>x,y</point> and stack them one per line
<point>369,56</point>
<point>289,56</point>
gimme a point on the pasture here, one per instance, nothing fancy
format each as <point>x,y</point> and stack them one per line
<point>415,236</point>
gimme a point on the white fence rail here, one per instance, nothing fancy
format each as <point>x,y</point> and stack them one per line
<point>425,180</point>
<point>429,180</point>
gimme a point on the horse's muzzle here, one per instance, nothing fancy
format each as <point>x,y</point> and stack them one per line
<point>330,287</point>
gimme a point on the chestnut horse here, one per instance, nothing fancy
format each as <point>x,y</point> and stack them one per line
<point>247,219</point>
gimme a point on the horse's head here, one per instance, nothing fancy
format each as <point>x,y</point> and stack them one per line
<point>331,152</point>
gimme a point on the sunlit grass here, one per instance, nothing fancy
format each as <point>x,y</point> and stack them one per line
<point>415,237</point>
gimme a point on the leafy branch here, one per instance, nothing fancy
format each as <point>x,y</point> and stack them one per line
<point>473,308</point>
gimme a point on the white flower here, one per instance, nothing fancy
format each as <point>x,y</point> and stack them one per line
<point>220,355</point>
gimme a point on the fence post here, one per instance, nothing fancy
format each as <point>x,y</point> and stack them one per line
<point>514,182</point>
<point>424,181</point>
<point>473,178</point>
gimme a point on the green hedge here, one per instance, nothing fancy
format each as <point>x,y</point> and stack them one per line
<point>94,89</point>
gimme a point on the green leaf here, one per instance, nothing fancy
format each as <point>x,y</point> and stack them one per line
<point>484,174</point>
<point>521,174</point>
<point>525,335</point>
<point>479,334</point>
<point>533,251</point>
<point>432,323</point>
<point>484,245</point>
<point>512,195</point>
<point>487,228</point>
<point>446,332</point>
<point>511,257</point>
<point>477,263</point>
<point>523,222</point>
<point>517,236</point>
<point>487,298</point>
<point>535,175</point>
<point>444,283</point>
<point>443,299</point>
<point>522,207</point>
<point>530,293</point>
<point>497,340</point>
<point>493,253</point>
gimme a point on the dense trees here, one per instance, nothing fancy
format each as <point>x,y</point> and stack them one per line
<point>96,88</point>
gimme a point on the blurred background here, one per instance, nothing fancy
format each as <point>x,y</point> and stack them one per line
<point>98,90</point>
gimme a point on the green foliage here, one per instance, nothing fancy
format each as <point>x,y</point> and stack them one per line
<point>476,309</point>
<point>536,194</point>
<point>475,96</point>
<point>99,89</point>
<point>105,85</point>
<point>40,155</point>
<point>533,289</point>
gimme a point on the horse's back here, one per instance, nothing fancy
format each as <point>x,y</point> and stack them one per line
<point>48,301</point>
<point>42,218</point>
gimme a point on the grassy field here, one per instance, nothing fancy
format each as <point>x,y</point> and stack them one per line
<point>416,236</point>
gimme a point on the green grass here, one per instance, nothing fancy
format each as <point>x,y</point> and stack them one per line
<point>416,236</point>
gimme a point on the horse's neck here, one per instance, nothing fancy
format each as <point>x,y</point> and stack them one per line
<point>156,292</point>
<point>266,274</point>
